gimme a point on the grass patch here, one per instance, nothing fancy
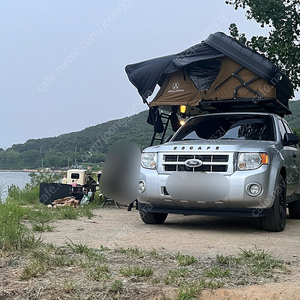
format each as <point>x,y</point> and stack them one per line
<point>42,261</point>
<point>114,273</point>
<point>13,234</point>
<point>79,248</point>
<point>91,254</point>
<point>217,272</point>
<point>69,286</point>
<point>26,196</point>
<point>117,286</point>
<point>41,227</point>
<point>187,293</point>
<point>98,272</point>
<point>86,212</point>
<point>260,261</point>
<point>190,290</point>
<point>133,252</point>
<point>137,271</point>
<point>212,284</point>
<point>176,276</point>
<point>23,205</point>
<point>227,260</point>
<point>32,270</point>
<point>139,253</point>
<point>66,212</point>
<point>185,260</point>
<point>254,262</point>
<point>158,256</point>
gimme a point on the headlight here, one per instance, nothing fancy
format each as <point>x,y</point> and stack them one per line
<point>251,161</point>
<point>149,160</point>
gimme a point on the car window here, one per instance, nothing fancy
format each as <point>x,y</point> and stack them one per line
<point>287,127</point>
<point>282,129</point>
<point>241,127</point>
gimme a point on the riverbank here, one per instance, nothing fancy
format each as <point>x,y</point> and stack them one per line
<point>24,170</point>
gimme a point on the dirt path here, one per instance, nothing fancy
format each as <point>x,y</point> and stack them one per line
<point>200,236</point>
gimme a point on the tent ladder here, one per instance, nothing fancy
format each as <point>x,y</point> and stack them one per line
<point>161,136</point>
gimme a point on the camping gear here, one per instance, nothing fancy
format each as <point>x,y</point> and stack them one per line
<point>78,183</point>
<point>218,75</point>
<point>50,192</point>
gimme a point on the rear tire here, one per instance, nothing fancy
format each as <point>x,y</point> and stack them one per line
<point>153,218</point>
<point>276,219</point>
<point>294,209</point>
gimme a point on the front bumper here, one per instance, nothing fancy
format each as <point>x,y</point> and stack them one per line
<point>208,212</point>
<point>236,198</point>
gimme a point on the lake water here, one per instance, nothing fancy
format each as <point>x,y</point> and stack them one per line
<point>8,178</point>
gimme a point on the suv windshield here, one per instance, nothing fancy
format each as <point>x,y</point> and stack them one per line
<point>238,127</point>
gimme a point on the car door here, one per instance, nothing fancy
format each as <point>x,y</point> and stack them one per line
<point>292,158</point>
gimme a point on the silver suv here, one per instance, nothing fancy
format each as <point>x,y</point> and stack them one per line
<point>238,164</point>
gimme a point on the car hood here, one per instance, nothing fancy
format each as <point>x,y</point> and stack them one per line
<point>213,145</point>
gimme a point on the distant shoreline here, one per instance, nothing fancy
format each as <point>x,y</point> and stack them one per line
<point>28,170</point>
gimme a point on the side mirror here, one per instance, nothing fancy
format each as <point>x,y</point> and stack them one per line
<point>290,139</point>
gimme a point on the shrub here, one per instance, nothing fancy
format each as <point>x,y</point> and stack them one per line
<point>14,235</point>
<point>39,177</point>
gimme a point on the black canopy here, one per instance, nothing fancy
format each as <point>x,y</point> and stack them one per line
<point>147,74</point>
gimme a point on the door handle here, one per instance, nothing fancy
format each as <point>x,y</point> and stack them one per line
<point>294,155</point>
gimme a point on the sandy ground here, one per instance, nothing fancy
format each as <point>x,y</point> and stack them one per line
<point>200,236</point>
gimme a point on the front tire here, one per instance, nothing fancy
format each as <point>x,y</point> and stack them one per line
<point>152,218</point>
<point>276,219</point>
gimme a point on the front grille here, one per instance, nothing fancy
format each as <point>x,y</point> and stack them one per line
<point>211,163</point>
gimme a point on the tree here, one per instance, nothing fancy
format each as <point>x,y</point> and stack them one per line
<point>51,159</point>
<point>10,159</point>
<point>31,159</point>
<point>282,46</point>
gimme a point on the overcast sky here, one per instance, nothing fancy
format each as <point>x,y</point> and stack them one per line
<point>62,62</point>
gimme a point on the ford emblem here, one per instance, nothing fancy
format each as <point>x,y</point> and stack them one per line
<point>193,163</point>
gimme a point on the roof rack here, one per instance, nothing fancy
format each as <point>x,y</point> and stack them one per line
<point>244,105</point>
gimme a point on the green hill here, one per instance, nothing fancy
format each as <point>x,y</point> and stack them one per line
<point>90,145</point>
<point>294,119</point>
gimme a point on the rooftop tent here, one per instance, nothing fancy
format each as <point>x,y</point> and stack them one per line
<point>219,74</point>
<point>188,85</point>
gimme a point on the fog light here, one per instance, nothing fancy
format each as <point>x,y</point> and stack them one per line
<point>142,186</point>
<point>253,189</point>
